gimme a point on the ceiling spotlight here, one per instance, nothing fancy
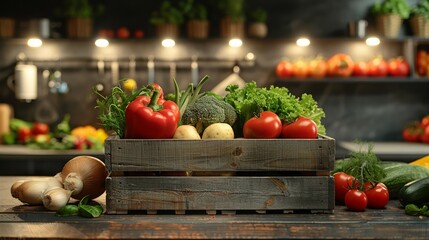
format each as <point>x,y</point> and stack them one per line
<point>101,43</point>
<point>372,41</point>
<point>34,42</point>
<point>235,42</point>
<point>303,42</point>
<point>168,43</point>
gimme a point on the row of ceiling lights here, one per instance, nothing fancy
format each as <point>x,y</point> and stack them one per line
<point>235,42</point>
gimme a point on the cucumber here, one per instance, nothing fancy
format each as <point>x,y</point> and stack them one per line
<point>415,192</point>
<point>398,174</point>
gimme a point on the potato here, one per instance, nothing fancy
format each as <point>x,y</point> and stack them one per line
<point>218,131</point>
<point>186,132</point>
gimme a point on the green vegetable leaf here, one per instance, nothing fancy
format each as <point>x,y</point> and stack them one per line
<point>414,210</point>
<point>68,210</point>
<point>90,211</point>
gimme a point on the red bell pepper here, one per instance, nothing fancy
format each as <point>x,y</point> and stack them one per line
<point>155,118</point>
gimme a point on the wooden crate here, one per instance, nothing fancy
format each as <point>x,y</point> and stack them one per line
<point>183,176</point>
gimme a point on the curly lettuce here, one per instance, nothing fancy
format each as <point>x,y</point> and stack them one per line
<point>251,100</point>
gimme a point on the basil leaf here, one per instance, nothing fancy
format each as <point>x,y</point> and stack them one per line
<point>68,210</point>
<point>90,211</point>
<point>84,200</point>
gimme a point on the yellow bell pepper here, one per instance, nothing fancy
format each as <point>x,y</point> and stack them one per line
<point>424,161</point>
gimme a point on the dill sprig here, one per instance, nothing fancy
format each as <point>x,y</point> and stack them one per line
<point>112,107</point>
<point>364,166</point>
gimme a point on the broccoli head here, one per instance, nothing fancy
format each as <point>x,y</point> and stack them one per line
<point>208,110</point>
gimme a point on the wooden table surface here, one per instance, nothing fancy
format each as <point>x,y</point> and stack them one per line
<point>18,221</point>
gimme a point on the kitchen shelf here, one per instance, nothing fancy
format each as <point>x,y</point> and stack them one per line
<point>353,80</point>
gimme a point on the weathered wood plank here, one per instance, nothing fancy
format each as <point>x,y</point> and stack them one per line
<point>219,193</point>
<point>220,155</point>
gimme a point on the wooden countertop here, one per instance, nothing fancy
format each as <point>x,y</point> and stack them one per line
<point>19,221</point>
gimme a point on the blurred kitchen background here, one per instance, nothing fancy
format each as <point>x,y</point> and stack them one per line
<point>70,66</point>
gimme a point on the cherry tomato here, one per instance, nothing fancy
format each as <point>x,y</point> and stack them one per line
<point>356,200</point>
<point>424,137</point>
<point>302,128</point>
<point>300,69</point>
<point>40,128</point>
<point>422,62</point>
<point>284,69</point>
<point>24,134</point>
<point>411,133</point>
<point>360,69</point>
<point>340,65</point>
<point>123,32</point>
<point>378,67</point>
<point>138,33</point>
<point>398,67</point>
<point>343,183</point>
<point>317,68</point>
<point>425,121</point>
<point>378,195</point>
<point>267,125</point>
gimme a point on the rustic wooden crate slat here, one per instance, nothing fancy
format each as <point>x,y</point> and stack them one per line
<point>219,193</point>
<point>132,155</point>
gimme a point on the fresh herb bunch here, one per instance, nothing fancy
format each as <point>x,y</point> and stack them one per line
<point>422,9</point>
<point>250,100</point>
<point>364,166</point>
<point>399,7</point>
<point>112,107</point>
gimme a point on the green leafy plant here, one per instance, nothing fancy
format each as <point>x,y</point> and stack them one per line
<point>399,7</point>
<point>167,13</point>
<point>231,8</point>
<point>81,8</point>
<point>258,15</point>
<point>422,9</point>
<point>193,10</point>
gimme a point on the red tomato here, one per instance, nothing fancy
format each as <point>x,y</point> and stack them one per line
<point>108,33</point>
<point>302,128</point>
<point>343,183</point>
<point>398,67</point>
<point>284,69</point>
<point>378,195</point>
<point>340,65</point>
<point>378,67</point>
<point>360,69</point>
<point>300,69</point>
<point>24,134</point>
<point>424,137</point>
<point>356,200</point>
<point>424,122</point>
<point>411,133</point>
<point>40,128</point>
<point>317,68</point>
<point>138,33</point>
<point>422,63</point>
<point>123,32</point>
<point>267,125</point>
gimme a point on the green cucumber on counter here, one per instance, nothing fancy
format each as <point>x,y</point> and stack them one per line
<point>415,192</point>
<point>398,174</point>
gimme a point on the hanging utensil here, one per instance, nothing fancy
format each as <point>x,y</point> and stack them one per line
<point>132,68</point>
<point>194,71</point>
<point>151,70</point>
<point>45,111</point>
<point>101,67</point>
<point>114,67</point>
<point>233,78</point>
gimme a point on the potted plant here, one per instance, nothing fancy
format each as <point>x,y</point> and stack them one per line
<point>79,15</point>
<point>419,19</point>
<point>167,20</point>
<point>257,23</point>
<point>389,16</point>
<point>197,25</point>
<point>232,18</point>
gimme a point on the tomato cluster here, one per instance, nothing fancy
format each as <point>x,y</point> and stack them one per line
<point>121,32</point>
<point>268,125</point>
<point>342,65</point>
<point>422,63</point>
<point>357,198</point>
<point>417,131</point>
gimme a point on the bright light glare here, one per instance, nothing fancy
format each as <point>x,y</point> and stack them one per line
<point>250,56</point>
<point>235,42</point>
<point>372,41</point>
<point>303,42</point>
<point>101,43</point>
<point>168,43</point>
<point>34,42</point>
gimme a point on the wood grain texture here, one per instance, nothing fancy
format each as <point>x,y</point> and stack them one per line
<point>219,193</point>
<point>220,155</point>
